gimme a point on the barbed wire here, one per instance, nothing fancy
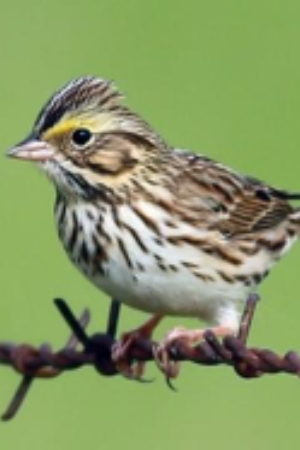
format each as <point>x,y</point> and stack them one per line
<point>96,351</point>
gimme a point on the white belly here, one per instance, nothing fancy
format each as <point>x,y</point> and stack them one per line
<point>172,292</point>
<point>158,277</point>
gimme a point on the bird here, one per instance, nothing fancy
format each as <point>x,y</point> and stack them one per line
<point>162,229</point>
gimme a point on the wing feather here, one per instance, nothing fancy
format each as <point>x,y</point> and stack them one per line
<point>228,202</point>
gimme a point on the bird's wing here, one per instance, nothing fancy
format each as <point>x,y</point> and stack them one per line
<point>228,202</point>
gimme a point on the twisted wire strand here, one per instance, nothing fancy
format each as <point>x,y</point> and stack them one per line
<point>95,351</point>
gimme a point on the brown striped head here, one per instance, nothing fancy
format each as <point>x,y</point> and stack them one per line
<point>86,139</point>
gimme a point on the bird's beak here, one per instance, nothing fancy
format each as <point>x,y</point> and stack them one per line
<point>32,150</point>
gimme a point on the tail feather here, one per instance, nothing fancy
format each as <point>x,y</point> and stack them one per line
<point>285,195</point>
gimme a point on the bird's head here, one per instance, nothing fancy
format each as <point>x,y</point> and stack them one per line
<point>86,140</point>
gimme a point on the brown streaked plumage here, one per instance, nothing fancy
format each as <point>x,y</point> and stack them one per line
<point>163,230</point>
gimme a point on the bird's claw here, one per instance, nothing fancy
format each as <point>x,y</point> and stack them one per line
<point>123,361</point>
<point>168,367</point>
<point>162,353</point>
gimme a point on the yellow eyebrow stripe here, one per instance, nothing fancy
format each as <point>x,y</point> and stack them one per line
<point>98,123</point>
<point>61,128</point>
<point>67,125</point>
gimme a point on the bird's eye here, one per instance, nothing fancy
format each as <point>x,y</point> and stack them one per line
<point>81,137</point>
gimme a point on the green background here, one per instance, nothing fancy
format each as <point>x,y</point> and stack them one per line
<point>222,77</point>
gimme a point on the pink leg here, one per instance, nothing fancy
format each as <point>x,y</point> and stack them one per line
<point>177,335</point>
<point>121,350</point>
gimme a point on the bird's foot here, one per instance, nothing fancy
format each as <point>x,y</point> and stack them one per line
<point>176,337</point>
<point>121,351</point>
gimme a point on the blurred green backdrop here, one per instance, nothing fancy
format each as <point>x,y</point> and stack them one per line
<point>222,77</point>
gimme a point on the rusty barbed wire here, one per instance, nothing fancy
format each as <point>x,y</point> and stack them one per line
<point>43,362</point>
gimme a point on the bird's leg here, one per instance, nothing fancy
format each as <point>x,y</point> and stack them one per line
<point>188,337</point>
<point>121,350</point>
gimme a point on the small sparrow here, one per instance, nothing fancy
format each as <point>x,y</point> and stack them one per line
<point>161,229</point>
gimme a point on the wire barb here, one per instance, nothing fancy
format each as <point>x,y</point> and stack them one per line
<point>113,318</point>
<point>96,351</point>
